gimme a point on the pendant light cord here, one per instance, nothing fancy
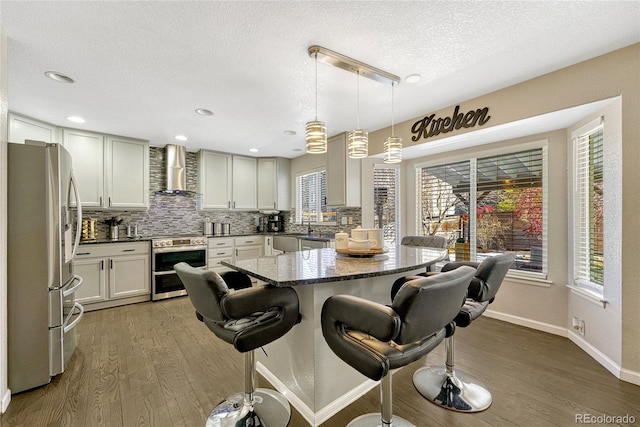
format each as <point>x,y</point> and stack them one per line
<point>392,110</point>
<point>358,99</point>
<point>316,86</point>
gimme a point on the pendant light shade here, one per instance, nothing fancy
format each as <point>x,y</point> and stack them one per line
<point>316,131</point>
<point>316,137</point>
<point>393,144</point>
<point>358,140</point>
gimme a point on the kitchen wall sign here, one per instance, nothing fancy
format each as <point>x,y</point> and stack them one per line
<point>430,126</point>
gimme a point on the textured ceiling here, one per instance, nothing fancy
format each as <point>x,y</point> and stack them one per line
<point>142,68</point>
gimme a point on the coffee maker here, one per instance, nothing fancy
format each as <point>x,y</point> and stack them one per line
<point>275,223</point>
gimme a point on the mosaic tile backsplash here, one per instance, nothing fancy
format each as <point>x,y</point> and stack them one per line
<point>177,214</point>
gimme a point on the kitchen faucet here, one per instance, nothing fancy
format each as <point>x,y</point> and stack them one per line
<point>309,229</point>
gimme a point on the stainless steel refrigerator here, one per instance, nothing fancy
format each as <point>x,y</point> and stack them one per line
<point>42,241</point>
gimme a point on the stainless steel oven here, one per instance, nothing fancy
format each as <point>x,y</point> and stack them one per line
<point>167,252</point>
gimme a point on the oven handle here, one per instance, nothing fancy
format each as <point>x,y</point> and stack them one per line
<point>164,273</point>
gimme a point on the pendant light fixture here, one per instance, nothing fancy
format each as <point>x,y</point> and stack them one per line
<point>393,144</point>
<point>358,140</point>
<point>316,131</point>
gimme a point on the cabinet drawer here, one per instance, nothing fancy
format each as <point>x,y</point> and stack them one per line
<point>220,242</point>
<point>214,263</point>
<point>221,252</point>
<point>248,241</point>
<point>102,250</point>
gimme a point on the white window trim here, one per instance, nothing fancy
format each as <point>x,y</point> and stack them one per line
<point>536,279</point>
<point>584,288</point>
<point>398,195</point>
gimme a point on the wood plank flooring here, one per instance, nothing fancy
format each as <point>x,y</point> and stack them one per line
<point>154,364</point>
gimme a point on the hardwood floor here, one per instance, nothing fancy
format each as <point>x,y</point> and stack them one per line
<point>154,364</point>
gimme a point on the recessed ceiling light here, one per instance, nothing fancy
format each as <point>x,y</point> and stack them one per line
<point>59,77</point>
<point>297,149</point>
<point>180,137</point>
<point>413,78</point>
<point>75,119</point>
<point>289,132</point>
<point>204,112</point>
<point>253,150</point>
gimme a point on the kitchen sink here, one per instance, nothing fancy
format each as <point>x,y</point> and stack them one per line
<point>285,243</point>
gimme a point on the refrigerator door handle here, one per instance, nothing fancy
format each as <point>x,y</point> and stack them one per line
<point>76,193</point>
<point>69,326</point>
<point>69,291</point>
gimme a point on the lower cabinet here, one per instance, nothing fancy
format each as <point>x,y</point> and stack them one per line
<point>114,274</point>
<point>232,248</point>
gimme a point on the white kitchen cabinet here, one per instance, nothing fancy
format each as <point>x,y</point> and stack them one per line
<point>112,172</point>
<point>274,183</point>
<point>268,246</point>
<point>214,179</point>
<point>226,181</point>
<point>127,177</point>
<point>24,128</point>
<point>244,189</point>
<point>219,249</point>
<point>87,152</point>
<point>343,174</point>
<point>113,274</point>
<point>248,247</point>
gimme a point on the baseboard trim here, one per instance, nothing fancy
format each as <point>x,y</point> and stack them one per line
<point>6,399</point>
<point>523,321</point>
<point>316,418</point>
<point>615,369</point>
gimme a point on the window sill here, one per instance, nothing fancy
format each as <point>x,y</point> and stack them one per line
<point>589,295</point>
<point>529,279</point>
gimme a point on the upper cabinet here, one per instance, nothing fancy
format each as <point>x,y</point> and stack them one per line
<point>227,181</point>
<point>343,174</point>
<point>127,176</point>
<point>112,172</point>
<point>214,179</point>
<point>22,129</point>
<point>274,183</point>
<point>244,185</point>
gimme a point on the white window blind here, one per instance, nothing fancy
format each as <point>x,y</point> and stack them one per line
<point>386,203</point>
<point>588,207</point>
<point>311,190</point>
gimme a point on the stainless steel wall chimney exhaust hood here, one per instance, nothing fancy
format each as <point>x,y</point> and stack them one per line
<point>176,168</point>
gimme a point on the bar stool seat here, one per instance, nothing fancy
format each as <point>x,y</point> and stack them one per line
<point>375,339</point>
<point>248,319</point>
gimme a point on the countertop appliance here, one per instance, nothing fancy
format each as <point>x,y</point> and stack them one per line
<point>167,252</point>
<point>42,313</point>
<point>275,223</point>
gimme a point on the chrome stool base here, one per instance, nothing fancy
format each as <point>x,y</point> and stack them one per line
<point>371,420</point>
<point>452,390</point>
<point>270,408</point>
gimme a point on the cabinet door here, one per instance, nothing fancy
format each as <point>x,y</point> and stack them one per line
<point>128,276</point>
<point>267,183</point>
<point>244,183</point>
<point>127,173</point>
<point>343,174</point>
<point>248,252</point>
<point>87,152</point>
<point>214,179</point>
<point>93,273</point>
<point>21,129</point>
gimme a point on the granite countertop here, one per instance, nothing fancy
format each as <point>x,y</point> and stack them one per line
<point>123,240</point>
<point>324,265</point>
<point>318,237</point>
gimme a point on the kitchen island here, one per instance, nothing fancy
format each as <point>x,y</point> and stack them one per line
<point>300,364</point>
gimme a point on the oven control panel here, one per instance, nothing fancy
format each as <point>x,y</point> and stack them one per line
<point>183,241</point>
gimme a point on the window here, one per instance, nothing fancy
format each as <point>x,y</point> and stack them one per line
<point>588,190</point>
<point>385,198</point>
<point>488,205</point>
<point>311,198</point>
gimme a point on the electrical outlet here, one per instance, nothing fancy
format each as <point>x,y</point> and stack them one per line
<point>578,325</point>
<point>350,220</point>
<point>581,327</point>
<point>344,220</point>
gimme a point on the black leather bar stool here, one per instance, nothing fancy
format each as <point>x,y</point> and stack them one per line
<point>443,385</point>
<point>247,318</point>
<point>375,338</point>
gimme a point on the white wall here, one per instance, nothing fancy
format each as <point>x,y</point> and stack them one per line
<point>5,394</point>
<point>613,333</point>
